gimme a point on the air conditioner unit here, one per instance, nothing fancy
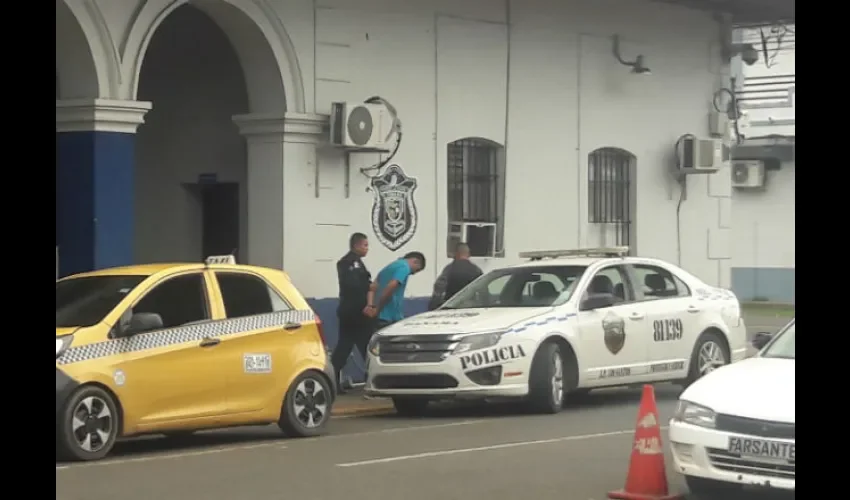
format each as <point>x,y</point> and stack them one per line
<point>480,236</point>
<point>748,174</point>
<point>360,126</point>
<point>701,156</point>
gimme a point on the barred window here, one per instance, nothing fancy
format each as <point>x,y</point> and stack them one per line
<point>611,195</point>
<point>475,192</point>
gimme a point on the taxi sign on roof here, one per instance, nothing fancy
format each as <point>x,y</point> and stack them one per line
<point>576,252</point>
<point>220,259</point>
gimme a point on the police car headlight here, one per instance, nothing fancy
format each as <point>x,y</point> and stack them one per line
<point>62,344</point>
<point>478,341</point>
<point>694,414</point>
<point>374,347</point>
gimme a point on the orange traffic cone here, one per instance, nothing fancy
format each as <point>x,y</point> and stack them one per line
<point>647,477</point>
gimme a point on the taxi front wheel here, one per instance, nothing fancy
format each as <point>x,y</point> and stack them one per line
<point>88,425</point>
<point>307,406</point>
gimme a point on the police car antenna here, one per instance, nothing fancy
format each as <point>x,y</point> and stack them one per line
<point>576,252</point>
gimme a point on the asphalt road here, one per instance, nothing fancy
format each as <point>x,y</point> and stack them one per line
<point>493,452</point>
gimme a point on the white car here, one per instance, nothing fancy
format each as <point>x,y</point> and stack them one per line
<point>735,427</point>
<point>564,322</point>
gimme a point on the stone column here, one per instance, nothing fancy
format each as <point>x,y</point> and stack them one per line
<point>275,143</point>
<point>95,157</point>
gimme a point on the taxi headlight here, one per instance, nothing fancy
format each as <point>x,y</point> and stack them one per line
<point>374,347</point>
<point>62,344</point>
<point>478,341</point>
<point>694,414</point>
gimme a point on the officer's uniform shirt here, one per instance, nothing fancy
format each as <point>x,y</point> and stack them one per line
<point>354,282</point>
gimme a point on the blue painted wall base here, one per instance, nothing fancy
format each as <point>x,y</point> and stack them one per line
<point>771,284</point>
<point>326,309</point>
<point>94,200</point>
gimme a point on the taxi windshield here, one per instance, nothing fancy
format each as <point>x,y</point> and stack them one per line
<point>85,301</point>
<point>784,346</point>
<point>538,286</point>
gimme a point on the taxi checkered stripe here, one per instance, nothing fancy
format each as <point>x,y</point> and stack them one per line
<point>181,334</point>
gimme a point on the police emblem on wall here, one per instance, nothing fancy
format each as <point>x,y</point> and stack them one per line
<point>393,209</point>
<point>614,329</point>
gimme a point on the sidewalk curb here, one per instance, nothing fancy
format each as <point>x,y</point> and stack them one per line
<point>363,410</point>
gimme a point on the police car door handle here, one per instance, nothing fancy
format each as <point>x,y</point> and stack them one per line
<point>637,316</point>
<point>209,342</point>
<point>693,309</point>
<point>291,326</point>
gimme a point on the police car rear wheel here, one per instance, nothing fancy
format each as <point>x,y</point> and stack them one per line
<point>410,407</point>
<point>307,406</point>
<point>546,381</point>
<point>88,426</point>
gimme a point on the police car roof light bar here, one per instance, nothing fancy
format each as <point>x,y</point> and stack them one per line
<point>220,259</point>
<point>576,252</point>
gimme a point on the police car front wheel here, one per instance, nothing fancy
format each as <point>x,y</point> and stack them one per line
<point>546,382</point>
<point>88,425</point>
<point>410,407</point>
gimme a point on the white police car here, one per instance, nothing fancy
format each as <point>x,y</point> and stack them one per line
<point>566,321</point>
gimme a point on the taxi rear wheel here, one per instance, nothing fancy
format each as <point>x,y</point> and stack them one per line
<point>88,425</point>
<point>546,381</point>
<point>307,406</point>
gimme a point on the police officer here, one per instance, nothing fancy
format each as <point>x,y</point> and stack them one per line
<point>356,294</point>
<point>455,276</point>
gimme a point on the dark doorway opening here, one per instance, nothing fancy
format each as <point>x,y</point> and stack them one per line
<point>220,219</point>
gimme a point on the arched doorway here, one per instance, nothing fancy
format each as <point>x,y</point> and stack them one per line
<point>76,73</point>
<point>205,63</point>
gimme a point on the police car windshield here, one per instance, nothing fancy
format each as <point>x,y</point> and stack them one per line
<point>784,345</point>
<point>86,301</point>
<point>538,286</point>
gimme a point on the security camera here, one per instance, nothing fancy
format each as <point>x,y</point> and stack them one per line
<point>749,55</point>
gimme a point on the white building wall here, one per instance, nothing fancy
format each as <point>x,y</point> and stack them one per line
<point>764,250</point>
<point>445,67</point>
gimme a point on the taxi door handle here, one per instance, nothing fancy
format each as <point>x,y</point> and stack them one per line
<point>291,326</point>
<point>209,342</point>
<point>636,316</point>
<point>693,309</point>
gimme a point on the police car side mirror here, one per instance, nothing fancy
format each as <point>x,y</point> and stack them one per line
<point>143,322</point>
<point>597,301</point>
<point>761,339</point>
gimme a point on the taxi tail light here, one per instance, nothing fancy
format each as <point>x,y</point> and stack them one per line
<point>321,329</point>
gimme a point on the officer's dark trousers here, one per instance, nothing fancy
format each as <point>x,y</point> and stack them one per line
<point>351,334</point>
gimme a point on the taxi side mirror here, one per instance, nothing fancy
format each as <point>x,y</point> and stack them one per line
<point>143,322</point>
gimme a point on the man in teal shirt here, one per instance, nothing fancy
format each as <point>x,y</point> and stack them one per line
<point>391,282</point>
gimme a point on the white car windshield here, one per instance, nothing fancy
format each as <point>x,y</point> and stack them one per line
<point>538,286</point>
<point>784,345</point>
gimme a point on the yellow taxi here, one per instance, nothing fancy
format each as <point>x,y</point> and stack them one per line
<point>174,348</point>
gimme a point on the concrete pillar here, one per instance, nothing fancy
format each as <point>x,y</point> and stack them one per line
<point>95,157</point>
<point>275,143</point>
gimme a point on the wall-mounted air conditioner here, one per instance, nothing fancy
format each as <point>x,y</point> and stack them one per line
<point>480,236</point>
<point>701,155</point>
<point>749,174</point>
<point>360,126</point>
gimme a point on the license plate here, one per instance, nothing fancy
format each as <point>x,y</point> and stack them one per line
<point>257,363</point>
<point>761,448</point>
